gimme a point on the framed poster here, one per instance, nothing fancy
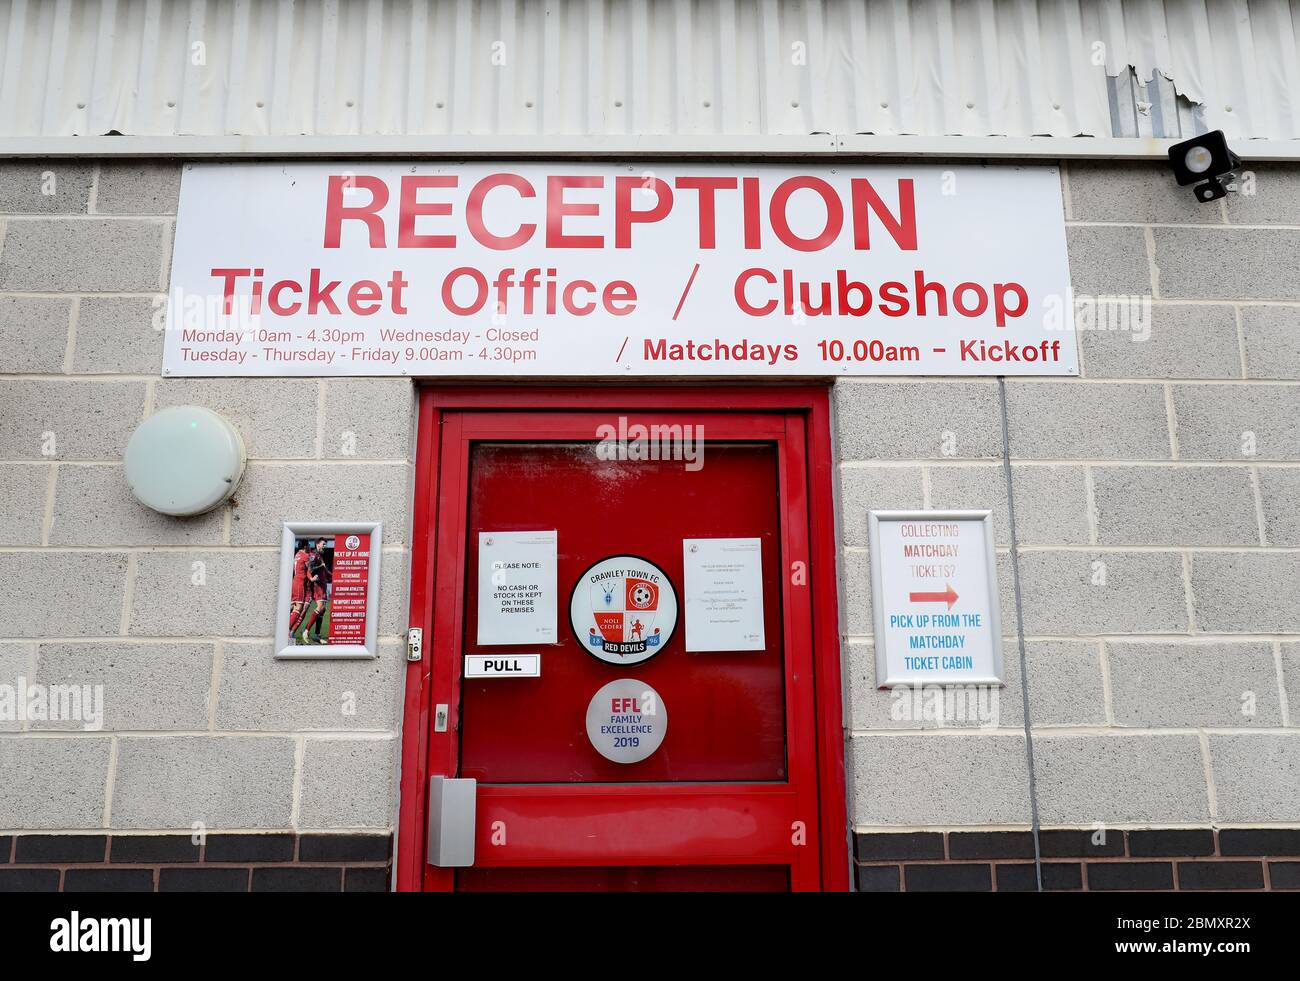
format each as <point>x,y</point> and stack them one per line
<point>328,603</point>
<point>934,598</point>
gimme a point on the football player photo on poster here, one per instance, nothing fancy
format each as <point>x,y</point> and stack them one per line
<point>328,603</point>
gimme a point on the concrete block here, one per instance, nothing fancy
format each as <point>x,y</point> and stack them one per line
<point>1067,593</point>
<point>1082,780</point>
<point>145,686</point>
<point>1256,776</point>
<point>1291,680</point>
<point>205,594</point>
<point>973,487</point>
<point>82,255</point>
<point>936,779</point>
<point>1237,422</point>
<point>15,663</point>
<point>1086,420</point>
<point>1065,682</point>
<point>1006,591</point>
<point>62,594</point>
<point>1051,502</point>
<point>34,333</point>
<point>1106,260</point>
<point>855,592</point>
<point>865,706</point>
<point>22,502</point>
<point>1130,191</point>
<point>1175,506</point>
<point>135,187</point>
<point>395,580</point>
<point>172,782</point>
<point>116,334</point>
<point>1179,341</point>
<point>866,489</point>
<point>368,419</point>
<point>45,187</point>
<point>348,783</point>
<point>1279,490</point>
<point>274,493</point>
<point>275,416</point>
<point>1194,685</point>
<point>260,693</point>
<point>906,420</point>
<point>1276,197</point>
<point>1226,263</point>
<point>54,782</point>
<point>75,420</point>
<point>94,506</point>
<point>1246,592</point>
<point>1271,336</point>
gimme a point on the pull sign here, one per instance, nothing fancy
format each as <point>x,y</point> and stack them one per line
<point>503,665</point>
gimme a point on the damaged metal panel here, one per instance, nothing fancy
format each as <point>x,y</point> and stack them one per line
<point>1151,109</point>
<point>674,68</point>
<point>1232,64</point>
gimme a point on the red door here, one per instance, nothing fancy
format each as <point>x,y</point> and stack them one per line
<point>723,791</point>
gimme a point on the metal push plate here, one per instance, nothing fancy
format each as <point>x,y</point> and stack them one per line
<point>452,804</point>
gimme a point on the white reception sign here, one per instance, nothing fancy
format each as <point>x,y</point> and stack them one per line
<point>516,587</point>
<point>935,598</point>
<point>723,583</point>
<point>596,269</point>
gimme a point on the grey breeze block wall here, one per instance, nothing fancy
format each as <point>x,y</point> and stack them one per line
<point>1137,687</point>
<point>174,617</point>
<point>1157,502</point>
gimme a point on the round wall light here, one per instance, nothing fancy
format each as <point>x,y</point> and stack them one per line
<point>184,460</point>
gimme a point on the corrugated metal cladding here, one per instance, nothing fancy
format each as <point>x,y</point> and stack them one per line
<point>1014,68</point>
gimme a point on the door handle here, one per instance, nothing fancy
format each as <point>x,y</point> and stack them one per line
<point>452,810</point>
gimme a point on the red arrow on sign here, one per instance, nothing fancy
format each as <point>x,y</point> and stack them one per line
<point>949,596</point>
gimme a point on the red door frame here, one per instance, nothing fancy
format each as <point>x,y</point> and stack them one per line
<point>810,402</point>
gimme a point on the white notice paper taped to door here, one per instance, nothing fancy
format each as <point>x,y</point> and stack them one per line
<point>724,594</point>
<point>516,587</point>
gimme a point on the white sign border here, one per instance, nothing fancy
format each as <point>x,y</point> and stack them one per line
<point>190,205</point>
<point>328,652</point>
<point>880,637</point>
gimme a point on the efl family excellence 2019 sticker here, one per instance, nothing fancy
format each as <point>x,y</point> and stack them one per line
<point>623,609</point>
<point>626,721</point>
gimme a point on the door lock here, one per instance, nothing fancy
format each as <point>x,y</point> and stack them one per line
<point>414,644</point>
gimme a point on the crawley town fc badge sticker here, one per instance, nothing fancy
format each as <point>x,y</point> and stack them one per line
<point>623,609</point>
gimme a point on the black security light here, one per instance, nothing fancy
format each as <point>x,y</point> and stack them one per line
<point>1207,162</point>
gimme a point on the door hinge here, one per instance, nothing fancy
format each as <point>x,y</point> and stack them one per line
<point>414,644</point>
